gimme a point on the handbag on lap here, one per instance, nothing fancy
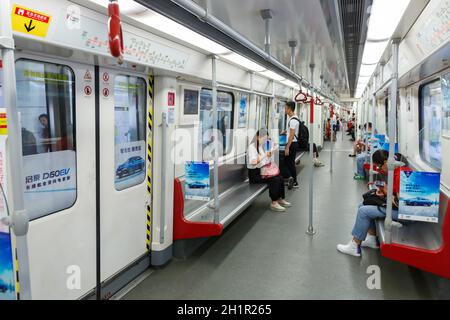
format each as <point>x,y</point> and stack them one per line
<point>372,199</point>
<point>270,170</point>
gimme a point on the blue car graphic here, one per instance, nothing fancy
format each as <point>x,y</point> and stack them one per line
<point>197,185</point>
<point>419,202</point>
<point>131,166</point>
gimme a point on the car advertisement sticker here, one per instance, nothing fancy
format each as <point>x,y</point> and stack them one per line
<point>50,182</point>
<point>197,183</point>
<point>419,196</point>
<point>129,164</point>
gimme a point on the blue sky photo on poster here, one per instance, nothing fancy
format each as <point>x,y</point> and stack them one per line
<point>7,290</point>
<point>197,184</point>
<point>419,196</point>
<point>243,111</point>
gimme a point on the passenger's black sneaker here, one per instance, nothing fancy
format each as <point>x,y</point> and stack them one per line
<point>291,183</point>
<point>296,185</point>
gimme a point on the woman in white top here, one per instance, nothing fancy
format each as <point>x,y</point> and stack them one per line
<point>258,158</point>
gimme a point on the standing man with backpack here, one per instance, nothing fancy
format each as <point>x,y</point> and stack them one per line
<point>292,131</point>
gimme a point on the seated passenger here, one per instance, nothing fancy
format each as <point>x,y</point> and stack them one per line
<point>360,145</point>
<point>364,231</point>
<point>258,158</point>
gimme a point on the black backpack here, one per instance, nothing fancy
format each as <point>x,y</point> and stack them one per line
<point>303,134</point>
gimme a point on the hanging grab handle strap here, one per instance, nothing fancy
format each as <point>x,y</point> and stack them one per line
<point>301,96</point>
<point>115,31</point>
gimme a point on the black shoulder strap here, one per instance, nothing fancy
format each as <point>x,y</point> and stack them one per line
<point>299,125</point>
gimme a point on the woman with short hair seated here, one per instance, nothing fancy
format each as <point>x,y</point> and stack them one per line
<point>364,231</point>
<point>262,169</point>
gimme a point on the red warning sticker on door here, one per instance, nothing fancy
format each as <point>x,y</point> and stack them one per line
<point>88,91</point>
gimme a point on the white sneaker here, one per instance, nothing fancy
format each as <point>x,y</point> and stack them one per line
<point>277,208</point>
<point>318,163</point>
<point>370,242</point>
<point>351,249</point>
<point>284,203</point>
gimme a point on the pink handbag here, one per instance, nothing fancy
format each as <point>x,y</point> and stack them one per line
<point>270,170</point>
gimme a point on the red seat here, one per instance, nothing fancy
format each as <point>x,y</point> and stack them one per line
<point>184,229</point>
<point>433,261</point>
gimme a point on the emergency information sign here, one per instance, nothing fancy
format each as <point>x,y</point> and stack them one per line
<point>30,21</point>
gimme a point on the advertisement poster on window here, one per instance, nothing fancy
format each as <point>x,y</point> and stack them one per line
<point>419,196</point>
<point>50,182</point>
<point>197,184</point>
<point>130,164</point>
<point>7,287</point>
<point>243,111</point>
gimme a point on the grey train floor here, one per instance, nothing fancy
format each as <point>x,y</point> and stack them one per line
<point>265,255</point>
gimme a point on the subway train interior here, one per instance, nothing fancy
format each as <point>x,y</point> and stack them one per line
<point>225,150</point>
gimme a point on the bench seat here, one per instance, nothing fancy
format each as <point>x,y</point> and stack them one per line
<point>232,203</point>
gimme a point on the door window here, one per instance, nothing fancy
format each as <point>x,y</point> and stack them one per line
<point>46,104</point>
<point>130,129</point>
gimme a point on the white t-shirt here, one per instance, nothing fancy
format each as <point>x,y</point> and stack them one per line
<point>253,154</point>
<point>294,124</point>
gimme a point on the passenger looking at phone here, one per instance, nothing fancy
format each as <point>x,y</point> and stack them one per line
<point>374,207</point>
<point>262,169</point>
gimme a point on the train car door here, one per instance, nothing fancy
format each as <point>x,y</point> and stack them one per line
<point>56,104</point>
<point>123,174</point>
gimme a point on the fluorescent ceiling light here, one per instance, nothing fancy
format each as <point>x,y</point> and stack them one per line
<point>272,75</point>
<point>373,51</point>
<point>126,6</point>
<point>174,29</point>
<point>159,22</point>
<point>385,17</point>
<point>290,84</point>
<point>244,62</point>
<point>366,70</point>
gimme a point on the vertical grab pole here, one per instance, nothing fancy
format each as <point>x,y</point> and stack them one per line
<point>311,230</point>
<point>372,136</point>
<point>367,122</point>
<point>19,220</point>
<point>331,147</point>
<point>163,178</point>
<point>216,140</point>
<point>392,140</point>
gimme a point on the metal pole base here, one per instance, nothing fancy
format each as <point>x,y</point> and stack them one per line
<point>311,231</point>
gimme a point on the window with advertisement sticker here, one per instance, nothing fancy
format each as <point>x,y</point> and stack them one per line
<point>130,131</point>
<point>46,104</point>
